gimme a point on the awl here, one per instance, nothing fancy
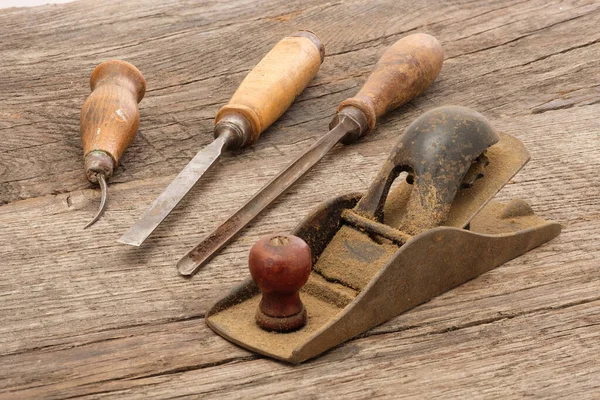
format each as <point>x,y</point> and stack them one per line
<point>405,70</point>
<point>109,120</point>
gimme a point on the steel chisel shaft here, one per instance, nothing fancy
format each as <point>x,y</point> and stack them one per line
<point>227,230</point>
<point>174,193</point>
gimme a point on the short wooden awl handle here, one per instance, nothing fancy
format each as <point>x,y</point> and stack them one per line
<point>271,87</point>
<point>110,115</point>
<point>404,71</point>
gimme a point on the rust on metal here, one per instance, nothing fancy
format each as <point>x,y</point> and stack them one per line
<point>368,268</point>
<point>202,253</point>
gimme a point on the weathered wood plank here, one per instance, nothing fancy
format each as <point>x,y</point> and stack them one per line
<point>83,314</point>
<point>211,78</point>
<point>493,357</point>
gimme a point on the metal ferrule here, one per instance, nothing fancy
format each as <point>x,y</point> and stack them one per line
<point>313,38</point>
<point>98,162</point>
<point>237,128</point>
<point>359,119</point>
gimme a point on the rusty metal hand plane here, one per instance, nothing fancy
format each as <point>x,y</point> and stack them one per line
<point>377,255</point>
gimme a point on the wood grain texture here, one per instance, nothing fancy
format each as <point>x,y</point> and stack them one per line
<point>273,85</point>
<point>82,315</point>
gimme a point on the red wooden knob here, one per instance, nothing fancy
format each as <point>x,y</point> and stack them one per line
<point>280,265</point>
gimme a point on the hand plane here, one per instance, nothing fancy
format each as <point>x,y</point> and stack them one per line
<point>359,260</point>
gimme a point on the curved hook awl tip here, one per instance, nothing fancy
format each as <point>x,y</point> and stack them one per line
<point>104,189</point>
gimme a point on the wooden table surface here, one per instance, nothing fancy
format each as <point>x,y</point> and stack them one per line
<point>82,315</point>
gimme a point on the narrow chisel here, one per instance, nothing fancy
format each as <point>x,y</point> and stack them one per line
<point>264,95</point>
<point>404,71</point>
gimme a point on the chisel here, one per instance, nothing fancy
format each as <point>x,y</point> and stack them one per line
<point>263,96</point>
<point>109,120</point>
<point>405,70</point>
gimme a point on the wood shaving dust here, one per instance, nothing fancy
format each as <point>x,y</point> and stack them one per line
<point>238,322</point>
<point>353,258</point>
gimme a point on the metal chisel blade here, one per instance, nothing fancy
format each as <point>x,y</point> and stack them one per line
<point>172,195</point>
<point>205,250</point>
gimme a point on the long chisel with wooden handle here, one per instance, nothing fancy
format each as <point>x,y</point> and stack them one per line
<point>264,95</point>
<point>404,71</point>
<point>109,120</point>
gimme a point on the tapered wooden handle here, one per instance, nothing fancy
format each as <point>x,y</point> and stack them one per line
<point>404,71</point>
<point>271,87</point>
<point>110,115</point>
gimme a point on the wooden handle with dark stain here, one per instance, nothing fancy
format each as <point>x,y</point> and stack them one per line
<point>404,71</point>
<point>110,115</point>
<point>271,87</point>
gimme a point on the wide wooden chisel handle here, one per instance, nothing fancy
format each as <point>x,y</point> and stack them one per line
<point>271,87</point>
<point>403,72</point>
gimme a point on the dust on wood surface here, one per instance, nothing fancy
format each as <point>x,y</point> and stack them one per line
<point>83,315</point>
